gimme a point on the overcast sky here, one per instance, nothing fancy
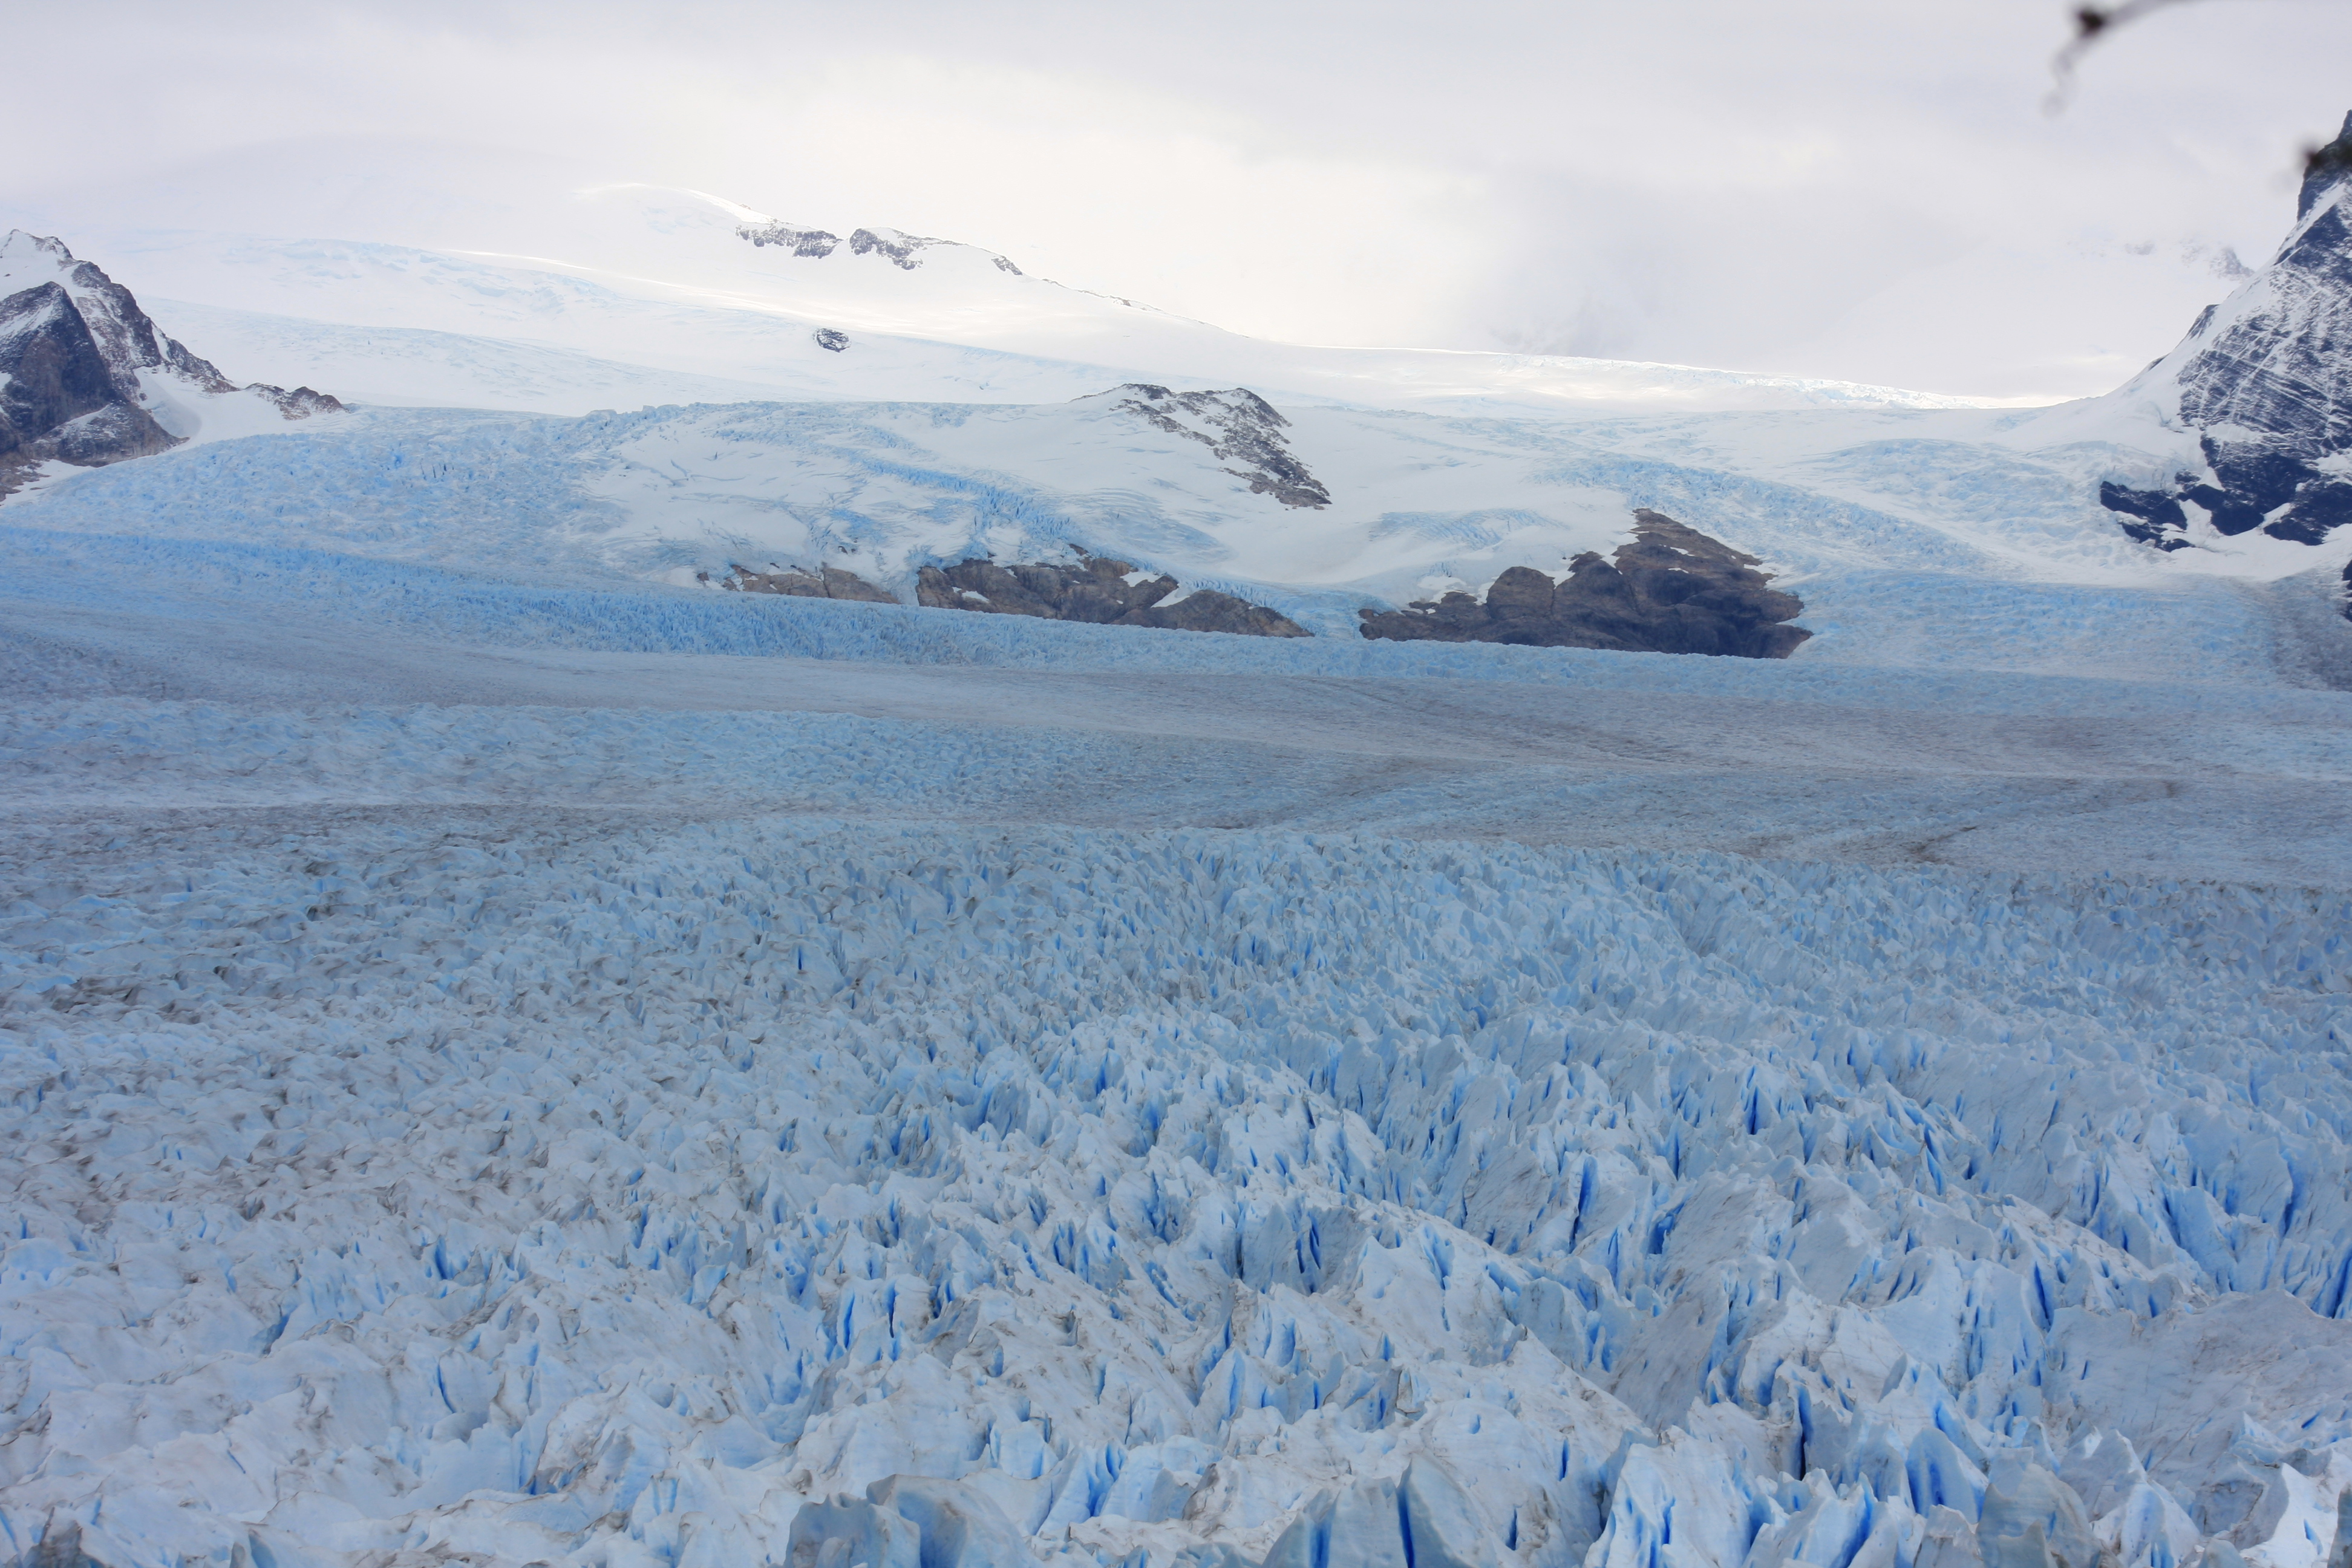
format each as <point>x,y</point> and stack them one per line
<point>1869,190</point>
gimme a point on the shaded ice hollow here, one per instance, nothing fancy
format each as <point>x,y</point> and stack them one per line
<point>506,1062</point>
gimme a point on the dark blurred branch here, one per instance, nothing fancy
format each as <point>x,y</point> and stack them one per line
<point>2093,23</point>
<point>2336,158</point>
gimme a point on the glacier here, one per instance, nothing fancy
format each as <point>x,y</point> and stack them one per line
<point>904,1088</point>
<point>512,1059</point>
<point>551,1188</point>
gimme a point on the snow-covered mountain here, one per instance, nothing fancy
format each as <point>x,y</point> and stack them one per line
<point>86,380</point>
<point>489,281</point>
<point>621,296</point>
<point>2263,384</point>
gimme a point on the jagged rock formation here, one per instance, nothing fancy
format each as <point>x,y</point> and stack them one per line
<point>83,370</point>
<point>60,399</point>
<point>1671,590</point>
<point>902,250</point>
<point>831,338</point>
<point>2266,380</point>
<point>1240,427</point>
<point>1097,589</point>
<point>825,583</point>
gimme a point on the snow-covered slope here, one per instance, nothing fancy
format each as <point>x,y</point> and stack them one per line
<point>689,283</point>
<point>1913,538</point>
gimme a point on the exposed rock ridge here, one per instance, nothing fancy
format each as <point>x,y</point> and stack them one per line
<point>1097,590</point>
<point>74,348</point>
<point>1240,427</point>
<point>2265,379</point>
<point>1671,590</point>
<point>902,250</point>
<point>825,583</point>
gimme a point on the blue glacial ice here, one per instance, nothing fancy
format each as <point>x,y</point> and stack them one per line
<point>425,1184</point>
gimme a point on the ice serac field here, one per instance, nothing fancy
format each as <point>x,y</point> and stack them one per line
<point>513,1057</point>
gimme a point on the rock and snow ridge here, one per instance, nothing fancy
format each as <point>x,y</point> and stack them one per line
<point>2264,382</point>
<point>1093,590</point>
<point>1098,591</point>
<point>86,380</point>
<point>901,250</point>
<point>59,398</point>
<point>1238,426</point>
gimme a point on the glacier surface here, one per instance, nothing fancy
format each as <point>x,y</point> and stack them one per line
<point>541,1072</point>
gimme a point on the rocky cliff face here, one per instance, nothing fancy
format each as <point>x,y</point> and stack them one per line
<point>1671,590</point>
<point>59,398</point>
<point>2265,379</point>
<point>84,373</point>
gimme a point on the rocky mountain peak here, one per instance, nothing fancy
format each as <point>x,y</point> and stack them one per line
<point>124,336</point>
<point>85,376</point>
<point>2265,381</point>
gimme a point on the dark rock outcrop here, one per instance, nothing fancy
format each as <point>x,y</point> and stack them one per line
<point>2154,517</point>
<point>299,404</point>
<point>73,347</point>
<point>1671,590</point>
<point>1095,590</point>
<point>811,242</point>
<point>826,582</point>
<point>2266,379</point>
<point>831,338</point>
<point>904,252</point>
<point>1240,428</point>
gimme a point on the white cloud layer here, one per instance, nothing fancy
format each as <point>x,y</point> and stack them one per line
<point>1865,190</point>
